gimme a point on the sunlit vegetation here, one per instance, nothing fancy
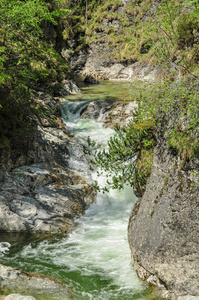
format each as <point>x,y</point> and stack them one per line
<point>30,38</point>
<point>154,31</point>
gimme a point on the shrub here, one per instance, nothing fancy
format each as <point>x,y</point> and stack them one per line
<point>187,24</point>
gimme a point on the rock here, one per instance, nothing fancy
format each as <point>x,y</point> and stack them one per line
<point>13,279</point>
<point>36,199</point>
<point>188,298</point>
<point>75,59</point>
<point>120,113</point>
<point>69,88</point>
<point>163,229</point>
<point>101,67</point>
<point>53,146</point>
<point>43,195</point>
<point>109,112</point>
<point>89,79</point>
<point>18,297</point>
<point>96,109</point>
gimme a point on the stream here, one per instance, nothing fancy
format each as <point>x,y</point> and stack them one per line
<point>94,260</point>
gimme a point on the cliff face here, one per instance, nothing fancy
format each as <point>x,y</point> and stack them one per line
<point>164,224</point>
<point>113,48</point>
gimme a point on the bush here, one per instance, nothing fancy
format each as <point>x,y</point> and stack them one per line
<point>187,24</point>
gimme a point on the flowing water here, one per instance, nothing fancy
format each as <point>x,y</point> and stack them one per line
<point>94,260</point>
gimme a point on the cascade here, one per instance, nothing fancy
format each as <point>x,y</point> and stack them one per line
<point>94,260</point>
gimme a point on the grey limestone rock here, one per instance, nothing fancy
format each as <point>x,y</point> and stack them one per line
<point>109,112</point>
<point>101,67</point>
<point>69,88</point>
<point>164,225</point>
<point>36,199</point>
<point>42,196</point>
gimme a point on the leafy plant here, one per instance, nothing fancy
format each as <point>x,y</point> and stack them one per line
<point>129,155</point>
<point>27,59</point>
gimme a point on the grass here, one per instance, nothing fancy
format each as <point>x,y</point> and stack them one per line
<point>169,30</point>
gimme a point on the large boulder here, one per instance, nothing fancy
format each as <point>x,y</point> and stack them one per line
<point>69,88</point>
<point>18,297</point>
<point>109,112</point>
<point>90,79</point>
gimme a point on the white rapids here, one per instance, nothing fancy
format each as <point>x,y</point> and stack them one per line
<point>94,260</point>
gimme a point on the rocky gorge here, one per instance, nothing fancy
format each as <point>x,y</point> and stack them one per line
<point>26,189</point>
<point>45,196</point>
<point>164,223</point>
<point>40,194</point>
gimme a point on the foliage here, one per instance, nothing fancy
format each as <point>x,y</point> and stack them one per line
<point>129,156</point>
<point>170,33</point>
<point>188,25</point>
<point>130,144</point>
<point>27,59</point>
<point>160,32</point>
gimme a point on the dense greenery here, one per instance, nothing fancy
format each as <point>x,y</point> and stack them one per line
<point>29,58</point>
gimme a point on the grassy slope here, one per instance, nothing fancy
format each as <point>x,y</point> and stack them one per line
<point>153,31</point>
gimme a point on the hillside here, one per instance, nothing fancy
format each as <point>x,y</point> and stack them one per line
<point>163,33</point>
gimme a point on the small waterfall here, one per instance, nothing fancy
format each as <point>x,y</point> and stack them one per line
<point>71,110</point>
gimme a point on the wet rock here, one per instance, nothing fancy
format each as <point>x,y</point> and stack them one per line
<point>38,192</point>
<point>69,88</point>
<point>109,112</point>
<point>164,228</point>
<point>95,109</point>
<point>89,79</point>
<point>13,279</point>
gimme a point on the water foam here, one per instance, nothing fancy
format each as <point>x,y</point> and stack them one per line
<point>4,248</point>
